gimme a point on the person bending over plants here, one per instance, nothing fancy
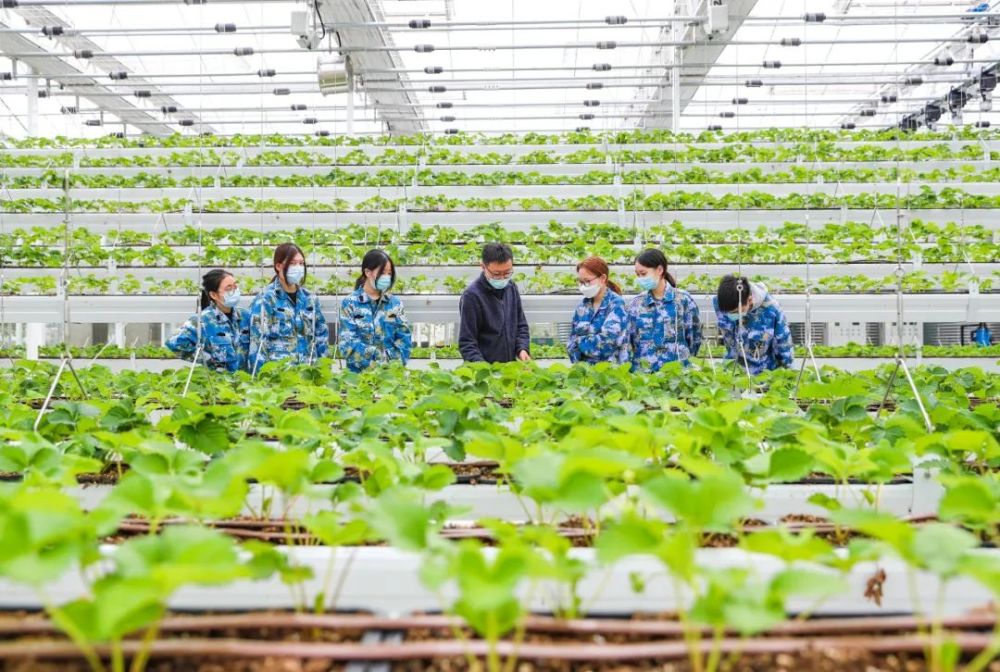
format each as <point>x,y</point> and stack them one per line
<point>753,326</point>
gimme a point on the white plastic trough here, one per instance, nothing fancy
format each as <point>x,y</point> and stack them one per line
<point>386,581</point>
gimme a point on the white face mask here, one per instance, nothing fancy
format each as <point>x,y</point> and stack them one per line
<point>231,299</point>
<point>591,290</point>
<point>295,274</point>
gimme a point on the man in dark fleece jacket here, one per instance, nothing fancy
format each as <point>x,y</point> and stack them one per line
<point>493,327</point>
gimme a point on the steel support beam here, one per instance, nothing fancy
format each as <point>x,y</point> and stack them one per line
<point>705,55</point>
<point>52,68</point>
<point>366,12</point>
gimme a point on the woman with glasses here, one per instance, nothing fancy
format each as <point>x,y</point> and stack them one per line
<point>493,327</point>
<point>600,323</point>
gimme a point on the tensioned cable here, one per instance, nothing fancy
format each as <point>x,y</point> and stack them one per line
<point>199,193</point>
<point>463,106</point>
<point>426,48</point>
<point>260,221</point>
<point>741,244</point>
<point>597,81</point>
<point>809,234</point>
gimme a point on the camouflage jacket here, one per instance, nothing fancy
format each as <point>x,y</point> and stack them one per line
<point>225,339</point>
<point>764,335</point>
<point>663,330</point>
<point>284,329</point>
<point>371,331</point>
<point>601,335</point>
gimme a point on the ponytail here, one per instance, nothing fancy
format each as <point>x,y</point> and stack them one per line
<point>210,283</point>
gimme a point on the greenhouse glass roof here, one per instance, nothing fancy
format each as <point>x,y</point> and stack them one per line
<point>509,66</point>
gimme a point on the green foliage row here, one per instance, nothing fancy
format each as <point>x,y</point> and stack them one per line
<point>625,451</point>
<point>644,136</point>
<point>426,177</point>
<point>923,198</point>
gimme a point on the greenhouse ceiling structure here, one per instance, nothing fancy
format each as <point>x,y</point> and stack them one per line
<point>87,67</point>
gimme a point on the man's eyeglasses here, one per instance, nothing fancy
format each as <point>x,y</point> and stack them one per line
<point>500,276</point>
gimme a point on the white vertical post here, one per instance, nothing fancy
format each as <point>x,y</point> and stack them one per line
<point>119,337</point>
<point>32,94</point>
<point>675,92</point>
<point>34,338</point>
<point>350,101</point>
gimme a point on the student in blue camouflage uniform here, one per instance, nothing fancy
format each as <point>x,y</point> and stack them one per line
<point>225,327</point>
<point>285,318</point>
<point>600,323</point>
<point>764,338</point>
<point>663,321</point>
<point>373,325</point>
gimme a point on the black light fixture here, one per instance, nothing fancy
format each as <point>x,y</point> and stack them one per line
<point>987,83</point>
<point>957,99</point>
<point>932,113</point>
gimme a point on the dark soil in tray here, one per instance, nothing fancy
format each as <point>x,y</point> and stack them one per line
<point>212,664</point>
<point>282,642</point>
<point>811,661</point>
<point>107,477</point>
<point>466,473</point>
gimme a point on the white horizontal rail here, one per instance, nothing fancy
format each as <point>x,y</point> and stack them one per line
<point>715,220</point>
<point>516,150</point>
<point>990,364</point>
<point>786,271</point>
<point>300,194</point>
<point>230,169</point>
<point>439,308</point>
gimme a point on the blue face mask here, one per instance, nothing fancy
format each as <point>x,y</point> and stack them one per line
<point>498,284</point>
<point>232,299</point>
<point>647,283</point>
<point>735,317</point>
<point>383,283</point>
